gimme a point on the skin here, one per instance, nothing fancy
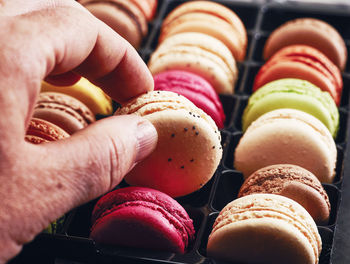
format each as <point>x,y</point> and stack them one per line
<point>55,40</point>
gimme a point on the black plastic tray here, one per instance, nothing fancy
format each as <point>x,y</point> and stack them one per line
<point>72,245</point>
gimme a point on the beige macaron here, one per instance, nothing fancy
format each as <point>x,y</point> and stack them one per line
<point>287,136</point>
<point>265,228</point>
<point>200,54</point>
<point>188,149</point>
<point>210,18</point>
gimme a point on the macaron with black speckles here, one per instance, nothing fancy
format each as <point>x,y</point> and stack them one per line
<point>189,144</point>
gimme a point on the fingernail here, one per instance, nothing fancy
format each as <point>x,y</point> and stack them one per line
<point>147,137</point>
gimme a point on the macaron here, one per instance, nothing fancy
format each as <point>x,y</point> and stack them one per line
<point>40,131</point>
<point>296,94</point>
<point>194,88</point>
<point>287,136</point>
<point>63,110</point>
<point>265,228</point>
<point>189,144</point>
<point>207,17</point>
<point>123,16</point>
<point>302,62</point>
<point>200,54</point>
<point>86,92</point>
<point>293,182</point>
<point>148,7</point>
<point>312,32</point>
<point>142,218</point>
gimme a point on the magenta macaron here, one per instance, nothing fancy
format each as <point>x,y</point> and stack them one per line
<point>142,218</point>
<point>195,88</point>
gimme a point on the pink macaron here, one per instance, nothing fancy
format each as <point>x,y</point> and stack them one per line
<point>143,218</point>
<point>194,88</point>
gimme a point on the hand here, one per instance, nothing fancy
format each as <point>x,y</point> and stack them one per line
<point>57,40</point>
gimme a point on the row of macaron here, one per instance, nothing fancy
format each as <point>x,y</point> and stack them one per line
<point>276,224</point>
<point>287,148</point>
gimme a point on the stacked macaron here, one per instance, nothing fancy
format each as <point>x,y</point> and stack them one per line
<point>139,217</point>
<point>129,18</point>
<point>190,41</point>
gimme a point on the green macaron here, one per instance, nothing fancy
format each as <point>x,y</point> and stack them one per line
<point>295,94</point>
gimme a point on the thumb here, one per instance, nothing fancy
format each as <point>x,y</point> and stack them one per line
<point>51,178</point>
<point>94,160</point>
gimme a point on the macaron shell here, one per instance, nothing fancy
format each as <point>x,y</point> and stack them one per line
<point>287,136</point>
<point>312,32</point>
<point>194,88</point>
<point>224,17</point>
<point>293,182</point>
<point>296,94</point>
<point>279,229</point>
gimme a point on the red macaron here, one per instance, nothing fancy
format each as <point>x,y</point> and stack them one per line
<point>302,62</point>
<point>143,218</point>
<point>194,88</point>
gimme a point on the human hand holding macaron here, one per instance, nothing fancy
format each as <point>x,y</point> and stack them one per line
<point>43,181</point>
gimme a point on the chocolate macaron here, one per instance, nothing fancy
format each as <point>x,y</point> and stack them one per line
<point>293,182</point>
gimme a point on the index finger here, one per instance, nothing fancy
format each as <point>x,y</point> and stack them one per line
<point>83,44</point>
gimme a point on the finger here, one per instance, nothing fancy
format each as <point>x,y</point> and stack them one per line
<point>65,79</point>
<point>93,50</point>
<point>74,171</point>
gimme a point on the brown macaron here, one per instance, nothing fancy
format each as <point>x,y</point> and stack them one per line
<point>293,182</point>
<point>63,110</point>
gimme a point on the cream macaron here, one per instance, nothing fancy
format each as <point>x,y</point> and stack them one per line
<point>287,136</point>
<point>265,228</point>
<point>189,144</point>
